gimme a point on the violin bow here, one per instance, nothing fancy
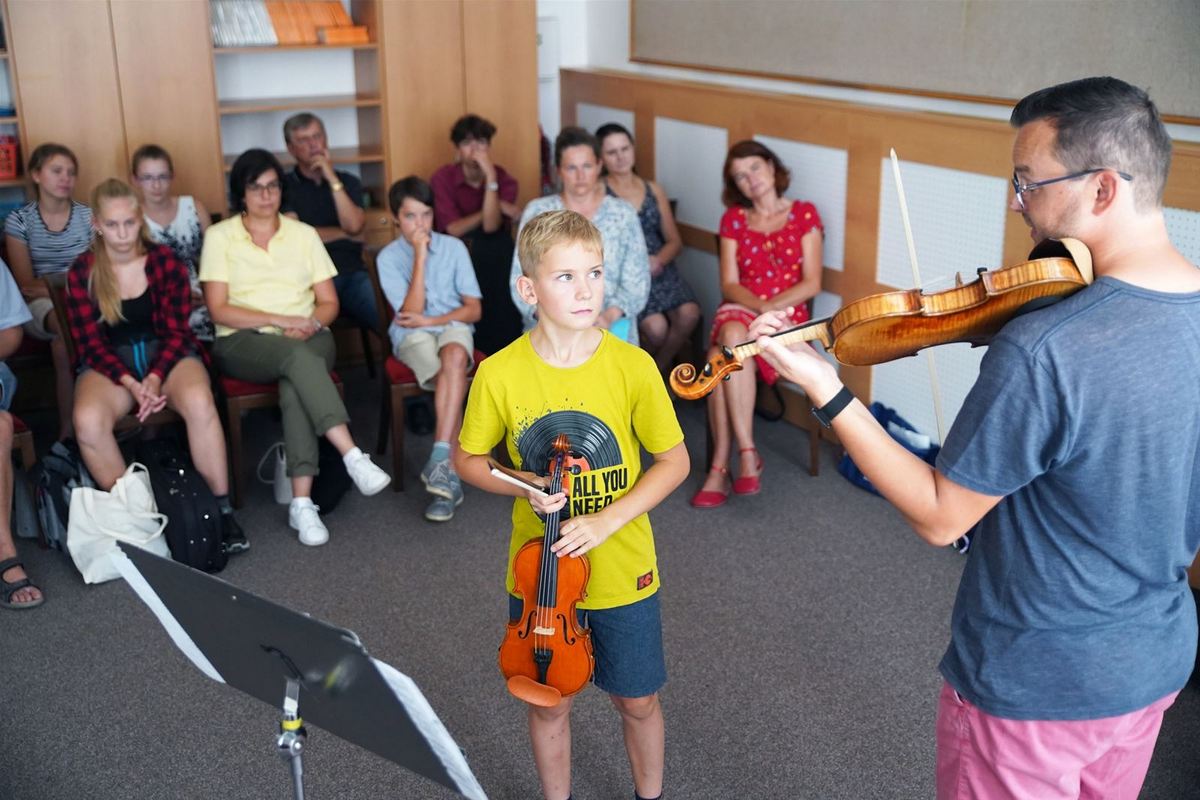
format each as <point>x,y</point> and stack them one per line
<point>916,271</point>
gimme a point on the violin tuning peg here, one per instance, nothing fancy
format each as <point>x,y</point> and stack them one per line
<point>727,376</point>
<point>707,370</point>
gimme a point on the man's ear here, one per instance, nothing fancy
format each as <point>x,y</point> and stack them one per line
<point>1108,184</point>
<point>526,290</point>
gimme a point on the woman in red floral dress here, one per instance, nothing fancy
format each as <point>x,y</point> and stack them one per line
<point>770,259</point>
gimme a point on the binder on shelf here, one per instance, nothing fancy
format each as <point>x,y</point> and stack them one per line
<point>353,34</point>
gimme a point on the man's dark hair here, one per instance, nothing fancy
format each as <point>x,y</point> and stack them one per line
<point>572,136</point>
<point>246,170</point>
<point>413,187</point>
<point>1105,123</point>
<point>472,126</point>
<point>298,121</point>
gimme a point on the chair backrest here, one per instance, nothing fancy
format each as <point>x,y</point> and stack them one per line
<point>385,312</point>
<point>60,313</point>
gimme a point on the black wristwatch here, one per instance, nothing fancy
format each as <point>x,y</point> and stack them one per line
<point>827,412</point>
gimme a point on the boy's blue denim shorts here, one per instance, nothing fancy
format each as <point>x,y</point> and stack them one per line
<point>627,641</point>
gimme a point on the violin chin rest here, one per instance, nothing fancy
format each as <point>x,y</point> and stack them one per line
<point>534,693</point>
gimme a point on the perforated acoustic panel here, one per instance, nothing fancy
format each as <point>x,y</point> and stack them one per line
<point>592,117</point>
<point>818,176</point>
<point>957,222</point>
<point>1183,227</point>
<point>687,159</point>
<point>958,226</point>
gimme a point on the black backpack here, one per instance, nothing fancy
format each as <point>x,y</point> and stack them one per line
<point>59,471</point>
<point>193,529</point>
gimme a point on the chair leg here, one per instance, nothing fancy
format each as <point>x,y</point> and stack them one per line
<point>396,403</point>
<point>385,417</point>
<point>234,426</point>
<point>24,443</point>
<point>366,347</point>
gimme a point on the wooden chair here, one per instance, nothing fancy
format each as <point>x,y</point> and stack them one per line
<point>399,383</point>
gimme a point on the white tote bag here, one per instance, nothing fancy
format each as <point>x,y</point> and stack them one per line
<point>280,483</point>
<point>98,520</point>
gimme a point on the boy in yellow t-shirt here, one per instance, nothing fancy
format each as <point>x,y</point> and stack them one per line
<point>568,376</point>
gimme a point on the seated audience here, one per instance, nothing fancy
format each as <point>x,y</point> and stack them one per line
<point>16,590</point>
<point>128,301</point>
<point>477,202</point>
<point>671,312</point>
<point>428,280</point>
<point>268,281</point>
<point>770,260</point>
<point>329,200</point>
<point>178,221</point>
<point>43,238</point>
<point>626,263</point>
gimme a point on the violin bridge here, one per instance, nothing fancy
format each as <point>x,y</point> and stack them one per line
<point>541,630</point>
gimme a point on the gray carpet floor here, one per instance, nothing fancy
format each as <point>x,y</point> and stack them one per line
<point>802,626</point>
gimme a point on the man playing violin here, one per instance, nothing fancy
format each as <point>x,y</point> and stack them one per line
<point>1073,462</point>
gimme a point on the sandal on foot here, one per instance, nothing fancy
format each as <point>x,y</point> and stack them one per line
<point>749,484</point>
<point>9,588</point>
<point>710,498</point>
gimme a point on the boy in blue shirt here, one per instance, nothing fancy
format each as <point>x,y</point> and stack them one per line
<point>428,279</point>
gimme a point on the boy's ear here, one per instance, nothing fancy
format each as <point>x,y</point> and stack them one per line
<point>526,290</point>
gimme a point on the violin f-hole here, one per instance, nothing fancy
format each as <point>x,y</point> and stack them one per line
<point>566,629</point>
<point>528,624</point>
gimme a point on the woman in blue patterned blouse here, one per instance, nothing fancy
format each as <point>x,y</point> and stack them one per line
<point>626,262</point>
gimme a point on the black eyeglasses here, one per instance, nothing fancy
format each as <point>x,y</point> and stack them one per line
<point>1021,188</point>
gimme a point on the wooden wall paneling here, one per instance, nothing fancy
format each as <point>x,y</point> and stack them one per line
<point>422,55</point>
<point>499,41</point>
<point>168,91</point>
<point>63,52</point>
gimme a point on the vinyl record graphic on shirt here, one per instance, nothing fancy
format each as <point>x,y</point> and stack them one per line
<point>590,439</point>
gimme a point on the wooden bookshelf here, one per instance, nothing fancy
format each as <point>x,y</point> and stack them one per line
<point>339,155</point>
<point>268,104</point>
<point>8,183</point>
<point>10,120</point>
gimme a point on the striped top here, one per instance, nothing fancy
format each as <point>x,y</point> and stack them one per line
<point>51,251</point>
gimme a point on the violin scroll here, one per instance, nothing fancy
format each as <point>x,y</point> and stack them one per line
<point>691,384</point>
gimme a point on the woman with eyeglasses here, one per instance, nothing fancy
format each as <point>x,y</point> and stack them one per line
<point>770,260</point>
<point>178,221</point>
<point>268,282</point>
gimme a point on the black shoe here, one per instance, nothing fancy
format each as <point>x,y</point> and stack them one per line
<point>233,538</point>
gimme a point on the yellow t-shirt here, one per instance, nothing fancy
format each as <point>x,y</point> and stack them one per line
<point>610,406</point>
<point>278,280</point>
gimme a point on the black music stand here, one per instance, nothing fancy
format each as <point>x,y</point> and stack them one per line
<point>284,658</point>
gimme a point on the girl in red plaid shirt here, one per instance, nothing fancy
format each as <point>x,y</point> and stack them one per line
<point>128,302</point>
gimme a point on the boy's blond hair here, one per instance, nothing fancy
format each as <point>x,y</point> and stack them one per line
<point>552,229</point>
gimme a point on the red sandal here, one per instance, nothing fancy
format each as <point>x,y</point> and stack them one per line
<point>710,498</point>
<point>749,484</point>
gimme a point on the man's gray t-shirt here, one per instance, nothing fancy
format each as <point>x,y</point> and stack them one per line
<point>1074,602</point>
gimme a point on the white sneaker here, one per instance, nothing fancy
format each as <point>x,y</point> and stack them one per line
<point>303,517</point>
<point>369,478</point>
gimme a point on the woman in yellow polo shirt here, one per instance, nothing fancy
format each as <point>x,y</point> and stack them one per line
<point>268,283</point>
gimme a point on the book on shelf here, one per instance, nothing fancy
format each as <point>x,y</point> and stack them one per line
<point>242,23</point>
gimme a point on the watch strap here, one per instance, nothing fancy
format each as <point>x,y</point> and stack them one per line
<point>827,412</point>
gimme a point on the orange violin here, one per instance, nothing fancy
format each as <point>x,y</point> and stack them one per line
<point>546,654</point>
<point>884,327</point>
